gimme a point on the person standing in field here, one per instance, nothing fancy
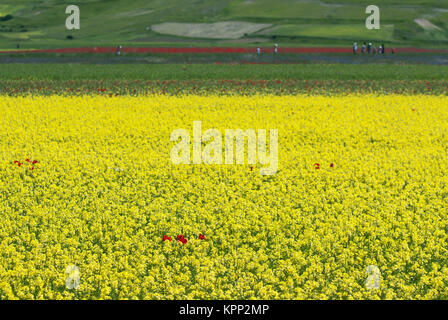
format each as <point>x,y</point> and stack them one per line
<point>355,47</point>
<point>118,51</point>
<point>380,49</point>
<point>369,47</point>
<point>384,48</point>
<point>363,48</point>
<point>275,48</point>
<point>258,51</point>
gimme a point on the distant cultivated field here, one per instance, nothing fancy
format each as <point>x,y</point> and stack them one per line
<point>158,22</point>
<point>338,31</point>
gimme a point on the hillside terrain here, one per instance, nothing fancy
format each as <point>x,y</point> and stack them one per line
<point>35,24</point>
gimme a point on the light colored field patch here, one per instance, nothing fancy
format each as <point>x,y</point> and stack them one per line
<point>22,35</point>
<point>427,25</point>
<point>217,30</point>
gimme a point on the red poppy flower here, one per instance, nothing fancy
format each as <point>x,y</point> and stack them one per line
<point>27,160</point>
<point>16,162</point>
<point>181,239</point>
<point>19,164</point>
<point>32,168</point>
<point>201,236</point>
<point>317,166</point>
<point>166,238</point>
<point>35,161</point>
<point>332,165</point>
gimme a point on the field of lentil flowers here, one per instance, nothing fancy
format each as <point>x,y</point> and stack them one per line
<point>92,207</point>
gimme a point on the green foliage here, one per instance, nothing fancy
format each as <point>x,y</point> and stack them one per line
<point>218,72</point>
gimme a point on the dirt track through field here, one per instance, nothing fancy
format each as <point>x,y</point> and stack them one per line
<point>232,59</point>
<point>200,50</point>
<point>156,55</point>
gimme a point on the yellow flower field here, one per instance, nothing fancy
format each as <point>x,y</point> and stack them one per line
<point>362,180</point>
